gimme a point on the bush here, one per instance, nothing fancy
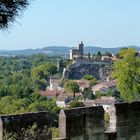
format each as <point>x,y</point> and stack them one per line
<point>88,77</point>
<point>75,103</point>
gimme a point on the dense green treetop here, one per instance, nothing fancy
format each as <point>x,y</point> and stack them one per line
<point>19,87</point>
<point>127,72</point>
<point>71,86</point>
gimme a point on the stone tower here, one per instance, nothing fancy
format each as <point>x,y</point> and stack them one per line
<point>81,48</point>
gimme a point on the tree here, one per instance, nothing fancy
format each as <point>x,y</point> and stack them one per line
<point>120,53</point>
<point>43,71</point>
<point>75,103</point>
<point>98,56</point>
<point>92,80</point>
<point>107,54</point>
<point>127,72</point>
<point>88,94</point>
<point>89,55</point>
<point>9,10</point>
<point>88,77</point>
<point>71,86</point>
<point>99,53</point>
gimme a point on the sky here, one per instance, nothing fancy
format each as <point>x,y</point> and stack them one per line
<point>103,23</point>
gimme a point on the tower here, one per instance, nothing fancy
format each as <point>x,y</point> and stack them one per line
<point>81,48</point>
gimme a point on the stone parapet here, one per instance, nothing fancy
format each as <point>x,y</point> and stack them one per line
<point>16,124</point>
<point>82,123</point>
<point>128,121</point>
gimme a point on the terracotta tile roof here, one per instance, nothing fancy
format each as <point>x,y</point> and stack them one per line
<point>63,97</point>
<point>82,83</point>
<point>53,93</point>
<point>76,94</point>
<point>104,85</point>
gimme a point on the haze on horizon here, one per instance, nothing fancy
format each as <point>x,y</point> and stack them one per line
<point>66,23</point>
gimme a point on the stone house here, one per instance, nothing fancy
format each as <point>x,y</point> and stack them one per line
<point>82,84</point>
<point>104,87</point>
<point>51,93</point>
<point>105,101</point>
<point>63,100</point>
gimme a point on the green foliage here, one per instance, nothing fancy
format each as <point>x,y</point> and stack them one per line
<point>88,77</point>
<point>127,72</point>
<point>88,94</point>
<point>71,86</point>
<point>120,53</point>
<point>93,82</point>
<point>107,54</point>
<point>89,55</point>
<point>99,95</point>
<point>43,71</point>
<point>99,53</point>
<point>32,132</point>
<point>76,103</point>
<point>9,10</point>
<point>55,132</point>
<point>19,89</point>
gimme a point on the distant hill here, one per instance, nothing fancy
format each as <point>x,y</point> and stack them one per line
<point>111,50</point>
<point>59,50</point>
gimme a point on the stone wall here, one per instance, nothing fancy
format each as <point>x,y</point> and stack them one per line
<point>79,124</point>
<point>88,123</point>
<point>82,123</point>
<point>18,123</point>
<point>128,121</point>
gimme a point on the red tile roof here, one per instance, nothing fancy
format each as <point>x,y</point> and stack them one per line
<point>52,93</point>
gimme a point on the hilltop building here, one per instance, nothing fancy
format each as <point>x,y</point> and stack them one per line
<point>77,53</point>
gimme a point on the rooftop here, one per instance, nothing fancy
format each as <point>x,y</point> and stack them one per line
<point>52,93</point>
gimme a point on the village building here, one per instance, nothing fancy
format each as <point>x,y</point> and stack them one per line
<point>54,84</point>
<point>54,89</point>
<point>77,53</point>
<point>105,58</point>
<point>51,93</point>
<point>104,101</point>
<point>63,100</point>
<point>82,84</point>
<point>104,87</point>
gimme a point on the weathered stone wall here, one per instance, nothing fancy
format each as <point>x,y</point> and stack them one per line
<point>18,123</point>
<point>82,123</point>
<point>88,123</point>
<point>128,121</point>
<point>79,123</point>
